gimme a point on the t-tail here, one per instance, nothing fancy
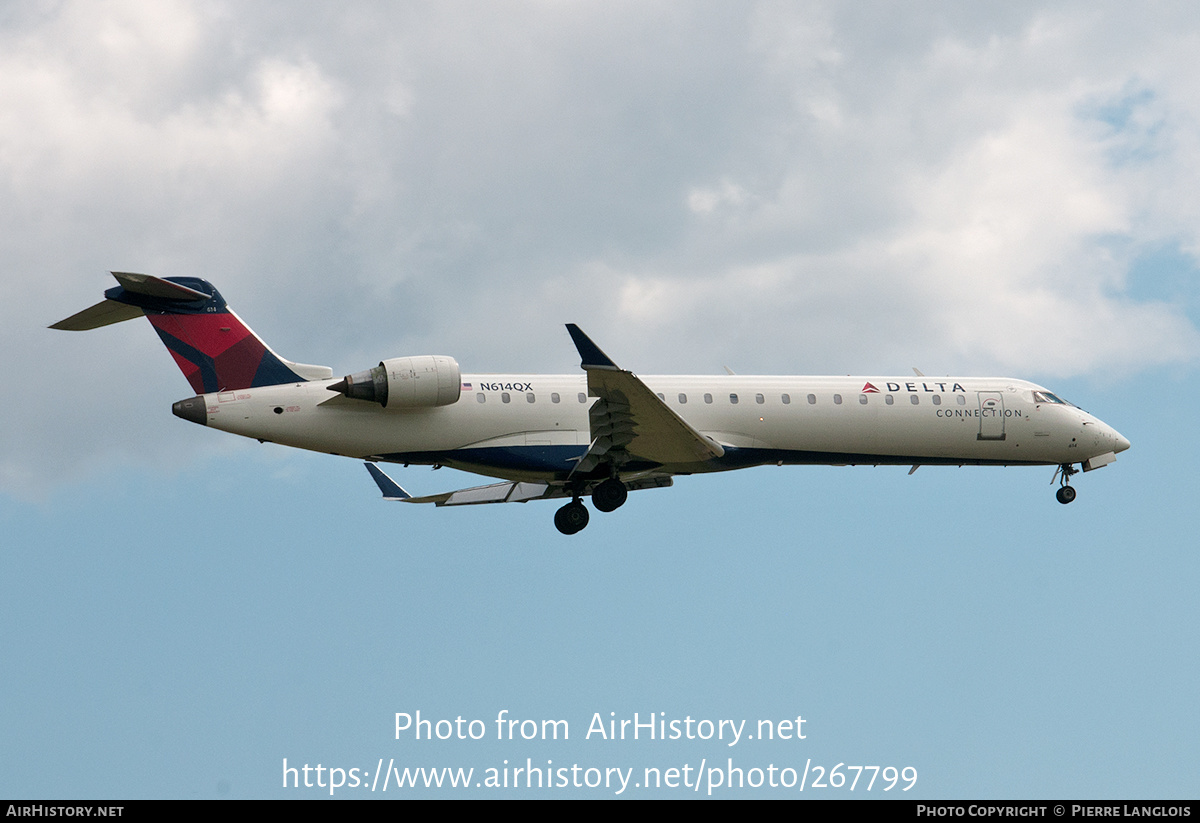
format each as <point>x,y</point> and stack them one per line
<point>213,348</point>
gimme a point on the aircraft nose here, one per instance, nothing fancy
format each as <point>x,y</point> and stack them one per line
<point>1113,437</point>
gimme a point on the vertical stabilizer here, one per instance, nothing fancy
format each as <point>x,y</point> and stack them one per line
<point>213,348</point>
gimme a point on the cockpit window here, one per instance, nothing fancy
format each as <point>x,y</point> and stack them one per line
<point>1047,397</point>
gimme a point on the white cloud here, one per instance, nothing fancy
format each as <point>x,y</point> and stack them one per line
<point>839,187</point>
<point>988,241</point>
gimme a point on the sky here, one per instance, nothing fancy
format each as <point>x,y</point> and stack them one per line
<point>780,188</point>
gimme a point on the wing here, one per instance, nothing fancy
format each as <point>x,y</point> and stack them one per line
<point>508,492</point>
<point>629,423</point>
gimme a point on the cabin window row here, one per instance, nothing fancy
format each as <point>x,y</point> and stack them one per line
<point>530,397</point>
<point>759,398</point>
<point>786,399</point>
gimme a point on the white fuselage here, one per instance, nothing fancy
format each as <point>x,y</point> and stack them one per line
<point>535,427</point>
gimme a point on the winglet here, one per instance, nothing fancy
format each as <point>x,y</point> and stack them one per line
<point>589,353</point>
<point>391,491</point>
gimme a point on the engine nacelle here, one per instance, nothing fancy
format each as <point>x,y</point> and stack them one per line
<point>406,382</point>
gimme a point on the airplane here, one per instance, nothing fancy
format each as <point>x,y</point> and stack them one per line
<point>601,433</point>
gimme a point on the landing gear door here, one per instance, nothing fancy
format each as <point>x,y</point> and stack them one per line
<point>991,415</point>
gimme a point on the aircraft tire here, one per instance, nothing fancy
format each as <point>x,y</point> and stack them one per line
<point>609,495</point>
<point>571,518</point>
<point>1065,494</point>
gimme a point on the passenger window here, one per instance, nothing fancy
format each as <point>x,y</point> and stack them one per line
<point>889,400</point>
<point>862,399</point>
<point>504,397</point>
<point>582,397</point>
<point>707,398</point>
<point>759,399</point>
<point>786,398</point>
<point>481,397</point>
<point>733,399</point>
<point>937,400</point>
<point>529,396</point>
<point>682,398</point>
<point>554,398</point>
<point>812,400</point>
<point>660,397</point>
<point>914,399</point>
<point>837,400</point>
<point>962,401</point>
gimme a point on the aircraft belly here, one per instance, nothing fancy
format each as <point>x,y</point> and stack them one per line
<point>527,463</point>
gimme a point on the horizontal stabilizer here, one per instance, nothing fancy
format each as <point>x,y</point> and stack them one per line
<point>110,311</point>
<point>104,313</point>
<point>152,286</point>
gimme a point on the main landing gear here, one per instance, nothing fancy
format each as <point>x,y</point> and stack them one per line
<point>1065,493</point>
<point>609,495</point>
<point>606,497</point>
<point>572,517</point>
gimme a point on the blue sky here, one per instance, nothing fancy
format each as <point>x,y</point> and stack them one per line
<point>778,188</point>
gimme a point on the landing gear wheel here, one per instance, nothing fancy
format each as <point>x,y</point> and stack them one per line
<point>609,495</point>
<point>571,518</point>
<point>1065,493</point>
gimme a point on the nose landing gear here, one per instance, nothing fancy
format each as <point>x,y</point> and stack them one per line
<point>1065,493</point>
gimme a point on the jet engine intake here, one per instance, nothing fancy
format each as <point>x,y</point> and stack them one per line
<point>405,382</point>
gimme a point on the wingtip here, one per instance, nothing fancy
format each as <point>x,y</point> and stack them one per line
<point>590,355</point>
<point>390,488</point>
